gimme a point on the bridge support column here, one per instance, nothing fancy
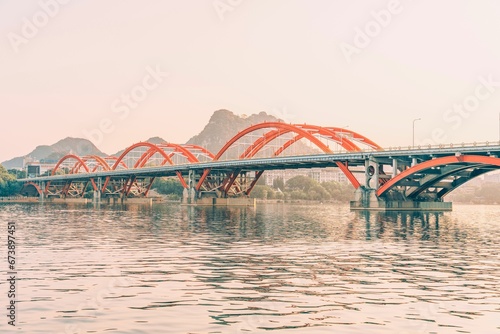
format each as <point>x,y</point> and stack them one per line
<point>394,167</point>
<point>192,195</point>
<point>42,195</point>
<point>189,193</point>
<point>97,193</point>
<point>372,172</point>
<point>367,175</point>
<point>366,196</point>
<point>97,196</point>
<point>366,199</point>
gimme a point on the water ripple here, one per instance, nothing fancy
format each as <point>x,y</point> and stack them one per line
<point>301,269</point>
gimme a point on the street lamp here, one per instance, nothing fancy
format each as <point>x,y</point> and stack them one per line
<point>416,119</point>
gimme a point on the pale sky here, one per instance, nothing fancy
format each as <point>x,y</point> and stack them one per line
<point>373,66</point>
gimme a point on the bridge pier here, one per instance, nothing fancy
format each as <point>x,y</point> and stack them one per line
<point>97,196</point>
<point>366,199</point>
<point>42,194</point>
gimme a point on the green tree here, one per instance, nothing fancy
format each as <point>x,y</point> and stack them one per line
<point>279,183</point>
<point>19,174</point>
<point>318,193</point>
<point>8,183</point>
<point>168,186</point>
<point>301,183</point>
<point>262,180</point>
<point>339,191</point>
<point>262,192</point>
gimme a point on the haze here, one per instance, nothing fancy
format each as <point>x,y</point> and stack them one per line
<point>373,66</point>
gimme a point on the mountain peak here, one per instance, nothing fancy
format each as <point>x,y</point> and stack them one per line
<point>156,140</point>
<point>223,125</point>
<point>54,152</point>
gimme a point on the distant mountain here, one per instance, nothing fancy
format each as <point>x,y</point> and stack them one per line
<point>223,125</point>
<point>53,153</point>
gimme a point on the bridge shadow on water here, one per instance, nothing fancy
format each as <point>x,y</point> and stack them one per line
<point>404,223</point>
<point>312,222</point>
<point>271,222</point>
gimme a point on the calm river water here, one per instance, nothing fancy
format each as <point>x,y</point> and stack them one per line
<point>275,268</point>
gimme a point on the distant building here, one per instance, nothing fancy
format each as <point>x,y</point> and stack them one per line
<point>36,168</point>
<point>318,174</point>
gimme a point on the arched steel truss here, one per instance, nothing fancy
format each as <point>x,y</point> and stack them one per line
<point>347,139</point>
<point>34,185</point>
<point>166,152</point>
<point>433,179</point>
<point>72,164</point>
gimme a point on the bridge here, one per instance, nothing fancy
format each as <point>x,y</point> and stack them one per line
<point>394,178</point>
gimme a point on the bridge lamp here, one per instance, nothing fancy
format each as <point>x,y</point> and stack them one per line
<point>413,142</point>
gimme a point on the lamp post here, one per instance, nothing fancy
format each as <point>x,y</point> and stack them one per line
<point>413,142</point>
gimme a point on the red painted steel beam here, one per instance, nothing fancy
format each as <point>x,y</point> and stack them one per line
<point>38,189</point>
<point>254,182</point>
<point>443,161</point>
<point>62,160</point>
<point>279,129</point>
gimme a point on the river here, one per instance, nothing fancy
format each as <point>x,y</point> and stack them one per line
<point>277,268</point>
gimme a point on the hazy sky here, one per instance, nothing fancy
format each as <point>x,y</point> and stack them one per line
<point>70,67</point>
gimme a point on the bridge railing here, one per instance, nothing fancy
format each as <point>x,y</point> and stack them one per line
<point>442,146</point>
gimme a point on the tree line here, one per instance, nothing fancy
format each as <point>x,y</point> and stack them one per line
<point>297,188</point>
<point>304,188</point>
<point>8,181</point>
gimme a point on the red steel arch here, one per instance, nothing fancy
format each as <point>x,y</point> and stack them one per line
<point>176,148</point>
<point>357,137</point>
<point>140,162</point>
<point>152,150</point>
<point>184,150</point>
<point>68,157</point>
<point>113,160</point>
<point>36,186</point>
<point>202,149</point>
<point>79,161</point>
<point>274,125</point>
<point>100,162</point>
<point>138,145</point>
<point>331,133</point>
<point>466,160</point>
<point>301,131</point>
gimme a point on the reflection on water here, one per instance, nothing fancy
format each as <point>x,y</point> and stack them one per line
<point>300,269</point>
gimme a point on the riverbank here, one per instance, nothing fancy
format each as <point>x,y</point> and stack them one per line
<point>19,199</point>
